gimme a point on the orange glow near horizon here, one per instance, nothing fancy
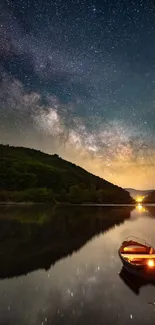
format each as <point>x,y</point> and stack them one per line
<point>139,199</point>
<point>140,208</point>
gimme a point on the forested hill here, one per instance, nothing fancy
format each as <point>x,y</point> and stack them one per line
<point>150,198</point>
<point>30,175</point>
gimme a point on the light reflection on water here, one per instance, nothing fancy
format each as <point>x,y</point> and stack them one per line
<point>85,287</point>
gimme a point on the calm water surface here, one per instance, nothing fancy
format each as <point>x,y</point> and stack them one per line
<point>62,266</point>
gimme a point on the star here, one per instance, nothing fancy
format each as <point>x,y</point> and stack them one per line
<point>80,75</point>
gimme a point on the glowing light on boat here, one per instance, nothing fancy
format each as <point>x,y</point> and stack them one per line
<point>150,263</point>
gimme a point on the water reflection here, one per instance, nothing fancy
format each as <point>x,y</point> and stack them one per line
<point>141,208</point>
<point>134,282</point>
<point>80,249</point>
<point>34,237</point>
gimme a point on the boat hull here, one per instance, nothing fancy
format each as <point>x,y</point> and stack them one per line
<point>139,270</point>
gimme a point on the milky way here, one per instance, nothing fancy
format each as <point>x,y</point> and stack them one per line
<point>78,78</point>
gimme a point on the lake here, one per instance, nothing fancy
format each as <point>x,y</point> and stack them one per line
<point>61,266</point>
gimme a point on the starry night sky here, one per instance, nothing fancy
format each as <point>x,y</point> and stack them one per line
<point>77,78</point>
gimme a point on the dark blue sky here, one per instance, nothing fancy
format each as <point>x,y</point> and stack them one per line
<point>81,74</point>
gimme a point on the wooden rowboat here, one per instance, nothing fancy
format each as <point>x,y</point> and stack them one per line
<point>138,257</point>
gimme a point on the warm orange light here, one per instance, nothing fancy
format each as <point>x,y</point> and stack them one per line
<point>150,263</point>
<point>139,199</point>
<point>140,208</point>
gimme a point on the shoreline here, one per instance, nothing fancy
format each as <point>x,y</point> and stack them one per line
<point>19,203</point>
<point>74,204</point>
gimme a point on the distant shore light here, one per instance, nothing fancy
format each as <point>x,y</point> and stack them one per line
<point>139,199</point>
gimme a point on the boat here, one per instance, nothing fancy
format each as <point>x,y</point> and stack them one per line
<point>138,257</point>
